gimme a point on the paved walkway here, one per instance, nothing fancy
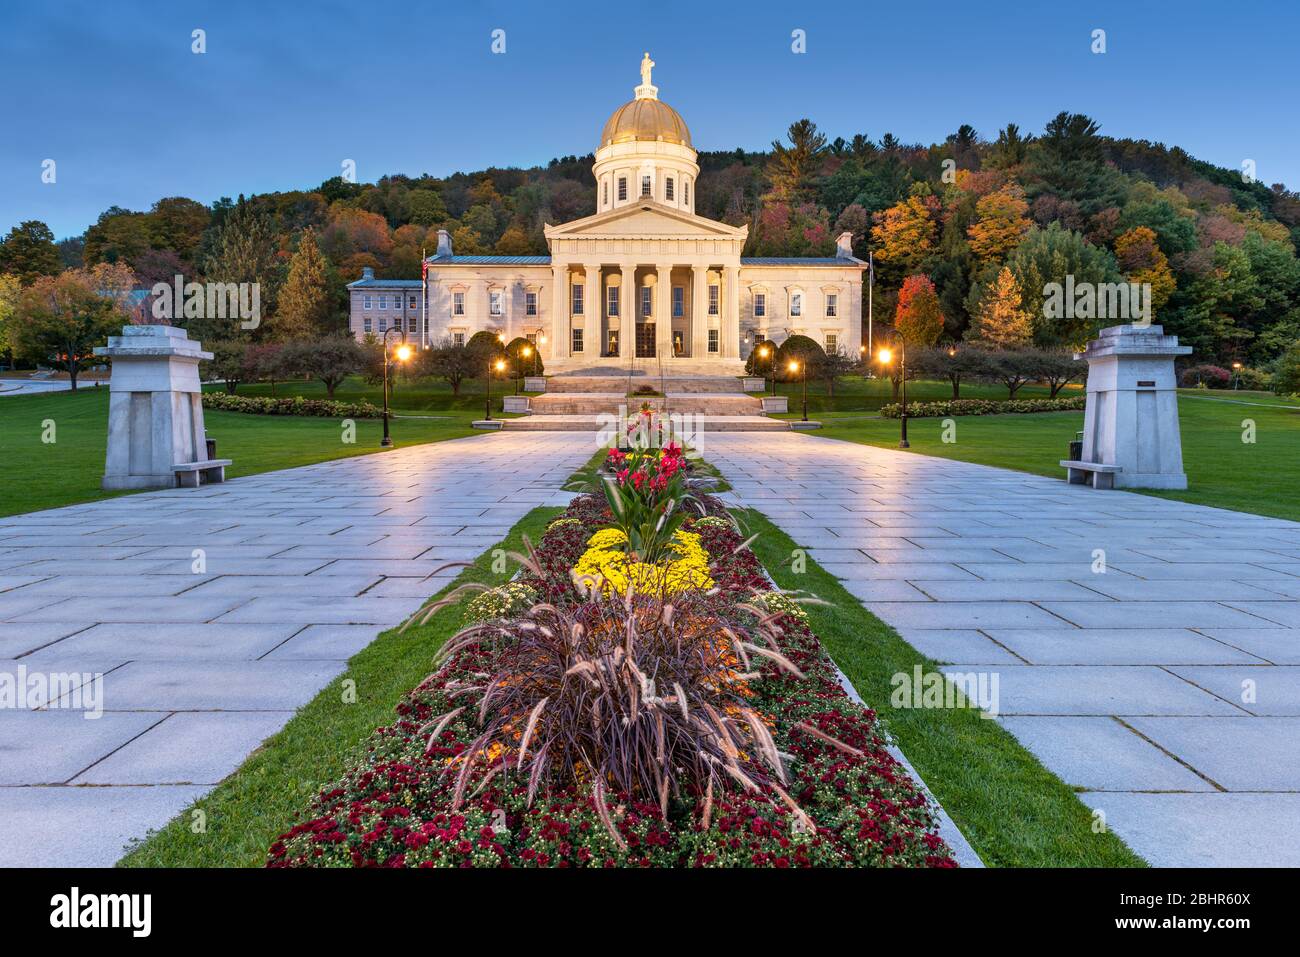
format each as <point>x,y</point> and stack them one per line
<point>1166,689</point>
<point>303,568</point>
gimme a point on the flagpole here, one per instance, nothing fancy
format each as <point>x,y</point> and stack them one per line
<point>424,298</point>
<point>871,281</point>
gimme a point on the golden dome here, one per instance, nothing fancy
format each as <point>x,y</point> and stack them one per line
<point>646,118</point>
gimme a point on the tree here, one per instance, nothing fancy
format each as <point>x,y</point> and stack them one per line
<point>245,250</point>
<point>514,242</point>
<point>10,287</point>
<point>28,252</point>
<point>951,362</point>
<point>1013,368</point>
<point>1141,260</point>
<point>1002,319</point>
<point>918,316</point>
<point>330,359</point>
<point>305,309</point>
<point>833,366</point>
<point>60,320</point>
<point>1048,262</point>
<point>904,234</point>
<point>451,363</point>
<point>229,362</point>
<point>1286,372</point>
<point>530,364</point>
<point>1058,368</point>
<point>791,167</point>
<point>1000,224</point>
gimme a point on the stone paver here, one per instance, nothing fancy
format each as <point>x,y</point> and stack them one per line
<point>214,613</point>
<point>1161,692</point>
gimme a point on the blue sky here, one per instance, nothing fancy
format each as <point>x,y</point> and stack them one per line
<point>287,91</point>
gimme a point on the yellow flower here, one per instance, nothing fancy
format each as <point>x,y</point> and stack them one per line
<point>615,570</point>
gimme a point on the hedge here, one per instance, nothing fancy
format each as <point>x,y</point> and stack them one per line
<point>291,405</point>
<point>921,410</point>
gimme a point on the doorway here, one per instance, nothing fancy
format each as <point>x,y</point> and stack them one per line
<point>645,340</point>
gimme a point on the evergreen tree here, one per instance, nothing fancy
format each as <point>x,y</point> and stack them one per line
<point>1002,319</point>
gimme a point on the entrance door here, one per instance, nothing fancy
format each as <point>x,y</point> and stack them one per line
<point>645,340</point>
<point>679,343</point>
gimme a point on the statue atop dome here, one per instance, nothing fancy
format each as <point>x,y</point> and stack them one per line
<point>647,90</point>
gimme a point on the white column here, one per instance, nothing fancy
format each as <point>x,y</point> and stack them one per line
<point>627,311</point>
<point>591,307</point>
<point>662,312</point>
<point>559,311</point>
<point>730,344</point>
<point>699,311</point>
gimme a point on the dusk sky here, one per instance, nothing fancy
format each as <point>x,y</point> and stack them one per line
<point>113,93</point>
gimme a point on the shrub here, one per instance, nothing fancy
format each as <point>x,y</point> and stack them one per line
<point>803,350</point>
<point>510,600</point>
<point>1205,377</point>
<point>517,361</point>
<point>922,410</point>
<point>290,405</point>
<point>1257,380</point>
<point>330,359</point>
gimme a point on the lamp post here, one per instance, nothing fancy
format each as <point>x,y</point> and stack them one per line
<point>403,353</point>
<point>802,367</point>
<point>887,356</point>
<point>499,365</point>
<point>1236,376</point>
<point>763,352</point>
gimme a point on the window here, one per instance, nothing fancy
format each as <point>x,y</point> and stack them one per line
<point>412,304</point>
<point>796,304</point>
<point>713,340</point>
<point>383,323</point>
<point>494,302</point>
<point>832,343</point>
<point>365,302</point>
<point>713,300</point>
<point>760,304</point>
<point>367,324</point>
<point>577,339</point>
<point>647,301</point>
<point>613,301</point>
<point>612,343</point>
<point>604,195</point>
<point>679,301</point>
<point>686,191</point>
<point>532,337</point>
<point>411,324</point>
<point>530,304</point>
<point>458,304</point>
<point>645,185</point>
<point>577,289</point>
<point>622,188</point>
<point>832,303</point>
<point>668,189</point>
<point>458,338</point>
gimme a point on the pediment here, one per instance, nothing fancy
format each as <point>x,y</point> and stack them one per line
<point>649,220</point>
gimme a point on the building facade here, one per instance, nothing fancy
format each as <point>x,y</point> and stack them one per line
<point>644,277</point>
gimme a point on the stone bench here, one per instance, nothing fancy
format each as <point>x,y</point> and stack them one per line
<point>1103,476</point>
<point>208,472</point>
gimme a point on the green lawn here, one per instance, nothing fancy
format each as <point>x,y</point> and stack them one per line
<point>36,475</point>
<point>1014,812</point>
<point>246,812</point>
<point>1222,470</point>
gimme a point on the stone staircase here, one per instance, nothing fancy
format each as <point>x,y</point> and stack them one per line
<point>575,402</point>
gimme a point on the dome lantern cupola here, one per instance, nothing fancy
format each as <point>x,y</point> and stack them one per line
<point>645,152</point>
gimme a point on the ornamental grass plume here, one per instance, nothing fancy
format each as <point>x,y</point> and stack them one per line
<point>631,695</point>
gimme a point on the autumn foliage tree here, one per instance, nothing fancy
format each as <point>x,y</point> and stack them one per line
<point>306,310</point>
<point>1001,222</point>
<point>905,234</point>
<point>59,320</point>
<point>1142,261</point>
<point>918,316</point>
<point>1002,319</point>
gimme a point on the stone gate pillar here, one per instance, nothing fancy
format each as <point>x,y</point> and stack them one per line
<point>1131,419</point>
<point>155,412</point>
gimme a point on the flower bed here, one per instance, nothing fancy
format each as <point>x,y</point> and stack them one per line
<point>921,410</point>
<point>291,405</point>
<point>437,790</point>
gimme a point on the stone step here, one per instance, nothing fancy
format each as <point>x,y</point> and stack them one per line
<point>619,384</point>
<point>590,423</point>
<point>592,403</point>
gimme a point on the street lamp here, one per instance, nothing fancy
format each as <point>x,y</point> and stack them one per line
<point>1236,376</point>
<point>499,365</point>
<point>796,366</point>
<point>403,353</point>
<point>763,352</point>
<point>522,353</point>
<point>887,356</point>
